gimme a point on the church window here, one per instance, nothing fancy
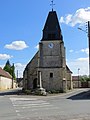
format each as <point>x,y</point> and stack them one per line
<point>51,75</point>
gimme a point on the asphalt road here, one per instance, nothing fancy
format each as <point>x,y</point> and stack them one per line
<point>74,105</point>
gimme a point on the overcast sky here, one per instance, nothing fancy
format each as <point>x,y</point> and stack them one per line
<point>21,25</point>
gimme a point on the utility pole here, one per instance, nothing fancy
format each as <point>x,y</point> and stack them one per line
<point>89,44</point>
<point>17,76</point>
<point>12,75</point>
<point>78,76</point>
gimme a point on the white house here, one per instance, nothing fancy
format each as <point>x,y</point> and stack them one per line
<point>5,80</point>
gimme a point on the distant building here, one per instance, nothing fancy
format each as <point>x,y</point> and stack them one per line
<point>78,83</point>
<point>5,80</point>
<point>20,82</point>
<point>48,67</point>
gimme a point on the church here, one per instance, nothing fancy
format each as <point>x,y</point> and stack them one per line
<point>48,68</point>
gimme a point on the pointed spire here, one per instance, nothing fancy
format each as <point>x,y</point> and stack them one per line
<point>52,30</point>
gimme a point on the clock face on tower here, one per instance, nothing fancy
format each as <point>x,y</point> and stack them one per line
<point>50,45</point>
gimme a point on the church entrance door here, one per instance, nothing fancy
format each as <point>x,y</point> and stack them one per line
<point>35,83</point>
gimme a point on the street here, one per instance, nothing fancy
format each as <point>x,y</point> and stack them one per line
<point>74,105</point>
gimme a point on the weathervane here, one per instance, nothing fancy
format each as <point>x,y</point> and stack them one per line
<point>52,4</point>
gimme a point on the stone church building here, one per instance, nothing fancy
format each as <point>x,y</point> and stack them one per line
<point>48,68</point>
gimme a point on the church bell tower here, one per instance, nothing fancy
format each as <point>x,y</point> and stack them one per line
<point>47,70</point>
<point>52,53</point>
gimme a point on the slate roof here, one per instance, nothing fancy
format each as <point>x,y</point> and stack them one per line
<point>52,26</point>
<point>52,21</point>
<point>4,73</point>
<point>67,68</point>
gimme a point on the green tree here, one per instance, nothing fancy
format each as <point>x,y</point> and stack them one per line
<point>10,69</point>
<point>13,71</point>
<point>7,66</point>
<point>84,78</point>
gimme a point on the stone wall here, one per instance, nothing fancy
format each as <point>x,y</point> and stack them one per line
<point>76,84</point>
<point>89,84</point>
<point>52,57</point>
<point>30,73</point>
<point>69,81</point>
<point>52,83</point>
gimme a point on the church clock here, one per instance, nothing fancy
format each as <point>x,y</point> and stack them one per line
<point>50,45</point>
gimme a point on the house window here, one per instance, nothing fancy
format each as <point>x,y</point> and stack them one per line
<point>51,75</point>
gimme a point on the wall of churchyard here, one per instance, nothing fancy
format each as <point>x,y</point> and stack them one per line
<point>79,84</point>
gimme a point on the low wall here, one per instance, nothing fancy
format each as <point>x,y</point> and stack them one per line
<point>78,84</point>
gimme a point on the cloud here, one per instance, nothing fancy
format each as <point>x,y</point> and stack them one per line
<point>19,68</point>
<point>83,50</point>
<point>37,47</point>
<point>82,59</point>
<point>71,51</point>
<point>5,56</point>
<point>81,63</point>
<point>62,20</point>
<point>2,66</point>
<point>86,50</point>
<point>16,45</point>
<point>81,16</point>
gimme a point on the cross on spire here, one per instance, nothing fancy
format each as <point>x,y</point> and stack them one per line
<point>52,4</point>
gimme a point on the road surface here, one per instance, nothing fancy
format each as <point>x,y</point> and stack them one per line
<point>74,105</point>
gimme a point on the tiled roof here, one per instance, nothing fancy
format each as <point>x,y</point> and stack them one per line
<point>74,77</point>
<point>4,73</point>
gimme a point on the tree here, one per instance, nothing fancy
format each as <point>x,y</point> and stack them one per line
<point>7,67</point>
<point>13,71</point>
<point>10,69</point>
<point>84,78</point>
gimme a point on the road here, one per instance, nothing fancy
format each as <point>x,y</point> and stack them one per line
<point>73,105</point>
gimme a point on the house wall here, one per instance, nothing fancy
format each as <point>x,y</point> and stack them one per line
<point>5,83</point>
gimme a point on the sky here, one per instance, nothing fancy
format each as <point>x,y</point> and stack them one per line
<point>21,25</point>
